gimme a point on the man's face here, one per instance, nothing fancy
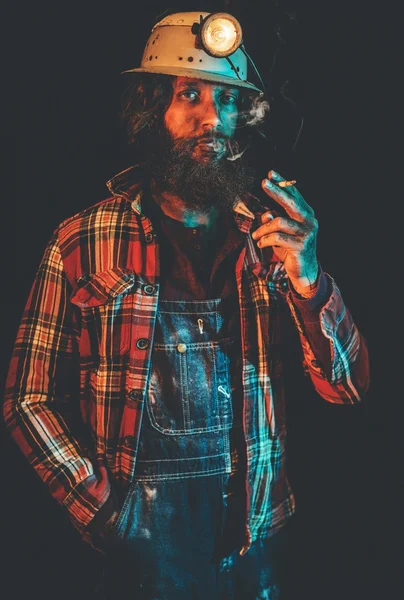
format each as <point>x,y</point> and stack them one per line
<point>194,154</point>
<point>204,113</point>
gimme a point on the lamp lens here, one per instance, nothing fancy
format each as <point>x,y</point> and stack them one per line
<point>221,36</point>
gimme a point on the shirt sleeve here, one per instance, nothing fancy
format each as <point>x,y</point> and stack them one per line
<point>38,388</point>
<point>335,352</point>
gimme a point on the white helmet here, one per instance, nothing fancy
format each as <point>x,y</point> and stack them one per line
<point>197,44</point>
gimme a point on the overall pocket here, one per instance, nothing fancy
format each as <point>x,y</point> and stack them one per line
<point>189,389</point>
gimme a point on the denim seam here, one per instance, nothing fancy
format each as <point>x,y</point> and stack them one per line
<point>184,393</point>
<point>174,432</point>
<point>192,345</point>
<point>159,460</point>
<point>187,475</point>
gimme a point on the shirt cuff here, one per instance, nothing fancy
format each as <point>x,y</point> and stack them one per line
<point>309,308</point>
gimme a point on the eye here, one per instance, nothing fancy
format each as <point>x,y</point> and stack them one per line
<point>189,95</point>
<point>229,98</point>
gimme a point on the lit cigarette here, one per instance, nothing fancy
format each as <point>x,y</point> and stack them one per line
<point>287,183</point>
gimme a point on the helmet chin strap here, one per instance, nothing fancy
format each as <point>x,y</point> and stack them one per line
<point>250,60</point>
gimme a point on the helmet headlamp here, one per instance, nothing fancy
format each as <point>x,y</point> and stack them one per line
<point>220,34</point>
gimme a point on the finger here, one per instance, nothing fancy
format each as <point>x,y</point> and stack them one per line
<point>279,224</point>
<point>268,216</point>
<point>289,198</point>
<point>279,239</point>
<point>274,176</point>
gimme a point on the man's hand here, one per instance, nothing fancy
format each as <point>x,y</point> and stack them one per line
<point>293,237</point>
<point>109,525</point>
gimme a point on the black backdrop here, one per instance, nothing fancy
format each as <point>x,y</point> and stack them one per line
<point>330,63</point>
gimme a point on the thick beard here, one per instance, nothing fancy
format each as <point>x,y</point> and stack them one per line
<point>202,185</point>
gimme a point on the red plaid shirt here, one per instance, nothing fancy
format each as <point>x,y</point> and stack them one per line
<point>79,371</point>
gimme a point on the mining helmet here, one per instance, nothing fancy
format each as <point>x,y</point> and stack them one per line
<point>204,45</point>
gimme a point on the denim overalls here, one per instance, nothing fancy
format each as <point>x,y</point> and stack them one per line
<point>182,524</point>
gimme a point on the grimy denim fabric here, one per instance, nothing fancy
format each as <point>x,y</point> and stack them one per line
<point>181,526</point>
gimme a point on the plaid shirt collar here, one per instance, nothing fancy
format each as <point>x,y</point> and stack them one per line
<point>128,184</point>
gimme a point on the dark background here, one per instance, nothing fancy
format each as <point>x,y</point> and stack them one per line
<point>332,64</point>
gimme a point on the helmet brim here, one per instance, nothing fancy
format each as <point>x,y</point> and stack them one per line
<point>196,74</point>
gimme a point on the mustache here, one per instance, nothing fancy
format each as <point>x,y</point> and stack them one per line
<point>207,138</point>
<point>232,146</point>
<point>211,137</point>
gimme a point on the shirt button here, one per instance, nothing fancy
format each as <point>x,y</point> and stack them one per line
<point>194,231</point>
<point>197,247</point>
<point>135,395</point>
<point>149,237</point>
<point>149,290</point>
<point>182,348</point>
<point>130,441</point>
<point>142,343</point>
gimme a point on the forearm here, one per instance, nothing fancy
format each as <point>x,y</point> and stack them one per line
<point>309,309</point>
<point>335,353</point>
<point>38,383</point>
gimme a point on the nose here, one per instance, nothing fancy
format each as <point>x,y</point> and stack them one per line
<point>210,115</point>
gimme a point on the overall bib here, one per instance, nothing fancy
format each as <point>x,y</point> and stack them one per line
<point>181,527</point>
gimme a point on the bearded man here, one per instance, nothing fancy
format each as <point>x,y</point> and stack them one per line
<point>148,382</point>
